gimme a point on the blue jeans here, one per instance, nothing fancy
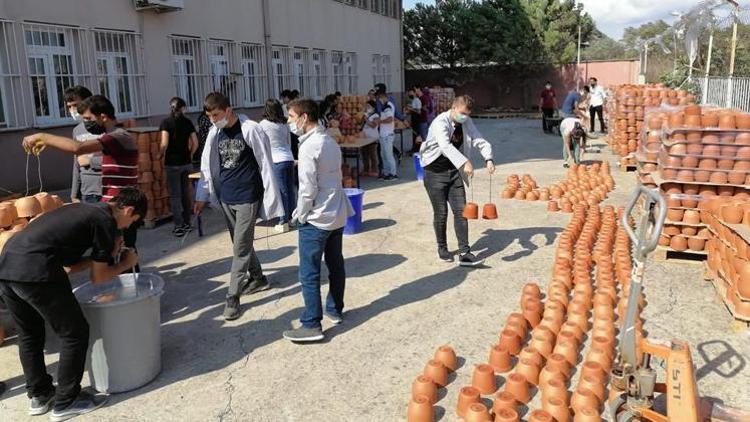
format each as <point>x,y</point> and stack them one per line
<point>315,244</point>
<point>386,154</point>
<point>284,173</point>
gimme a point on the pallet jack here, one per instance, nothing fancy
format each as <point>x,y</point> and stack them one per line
<point>633,380</point>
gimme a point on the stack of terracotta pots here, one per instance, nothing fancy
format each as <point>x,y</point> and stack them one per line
<point>424,391</point>
<point>728,250</point>
<point>443,98</point>
<point>348,176</point>
<point>152,180</point>
<point>649,144</point>
<point>587,184</point>
<point>15,215</point>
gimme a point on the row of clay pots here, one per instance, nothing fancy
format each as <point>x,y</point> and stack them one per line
<point>471,211</point>
<point>716,177</point>
<point>725,263</point>
<point>690,195</point>
<point>424,390</point>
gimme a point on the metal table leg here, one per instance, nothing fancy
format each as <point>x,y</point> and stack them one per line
<point>357,158</point>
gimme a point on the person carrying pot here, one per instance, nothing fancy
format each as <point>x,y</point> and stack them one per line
<point>34,285</point>
<point>444,155</point>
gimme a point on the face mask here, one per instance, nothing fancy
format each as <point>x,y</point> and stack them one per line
<point>221,124</point>
<point>93,127</point>
<point>75,114</point>
<point>460,118</point>
<point>297,128</point>
<point>548,86</point>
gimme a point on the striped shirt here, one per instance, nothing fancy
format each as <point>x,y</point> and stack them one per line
<point>119,162</point>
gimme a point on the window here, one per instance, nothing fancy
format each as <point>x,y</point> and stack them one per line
<point>364,4</point>
<point>337,63</point>
<point>55,61</point>
<point>12,93</point>
<point>301,58</point>
<point>350,69</point>
<point>187,70</point>
<point>118,62</point>
<point>221,58</point>
<point>375,68</point>
<point>281,70</point>
<point>375,6</point>
<point>381,68</point>
<point>253,74</point>
<point>316,78</point>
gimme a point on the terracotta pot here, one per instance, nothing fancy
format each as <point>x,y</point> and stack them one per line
<point>600,356</point>
<point>587,414</point>
<point>517,317</point>
<point>584,398</point>
<point>569,350</point>
<point>582,320</point>
<point>743,281</point>
<point>556,388</point>
<point>516,385</point>
<point>732,213</point>
<point>510,341</point>
<point>557,408</point>
<point>593,383</point>
<point>693,122</point>
<point>529,370</point>
<point>466,397</point>
<point>424,386</point>
<point>477,412</point>
<point>727,121</point>
<point>506,415</point>
<point>471,211</point>
<point>710,120</point>
<point>447,356</point>
<point>500,359</point>
<point>420,410</point>
<point>517,328</point>
<point>8,215</point>
<point>28,207</point>
<point>552,206</point>
<point>592,368</point>
<point>46,201</point>
<point>489,212</point>
<point>533,355</point>
<point>435,371</point>
<point>742,121</point>
<point>504,400</point>
<point>573,328</point>
<point>484,379</point>
<point>540,415</point>
<point>533,314</point>
<point>552,322</point>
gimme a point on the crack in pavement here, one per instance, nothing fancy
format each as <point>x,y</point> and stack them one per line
<point>228,410</point>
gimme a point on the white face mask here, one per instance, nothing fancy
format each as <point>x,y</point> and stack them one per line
<point>297,128</point>
<point>460,118</point>
<point>75,114</point>
<point>221,124</point>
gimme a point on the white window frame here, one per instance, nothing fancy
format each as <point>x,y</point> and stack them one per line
<point>350,73</point>
<point>337,71</point>
<point>14,113</point>
<point>281,68</point>
<point>188,70</point>
<point>222,65</point>
<point>128,85</point>
<point>300,69</point>
<point>253,74</point>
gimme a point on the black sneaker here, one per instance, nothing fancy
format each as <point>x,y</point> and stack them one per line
<point>84,403</point>
<point>469,260</point>
<point>444,255</point>
<point>304,335</point>
<point>256,286</point>
<point>42,404</point>
<point>186,227</point>
<point>232,308</point>
<point>335,319</point>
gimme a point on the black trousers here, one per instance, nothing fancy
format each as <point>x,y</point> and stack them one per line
<point>30,304</point>
<point>547,113</point>
<point>593,111</point>
<point>443,188</point>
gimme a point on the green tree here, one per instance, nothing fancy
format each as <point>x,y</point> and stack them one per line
<point>556,25</point>
<point>437,35</point>
<point>605,48</point>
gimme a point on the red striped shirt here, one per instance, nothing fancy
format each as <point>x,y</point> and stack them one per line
<point>119,162</point>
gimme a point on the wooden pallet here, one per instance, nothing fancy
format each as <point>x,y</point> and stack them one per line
<point>151,224</point>
<point>666,254</point>
<point>740,323</point>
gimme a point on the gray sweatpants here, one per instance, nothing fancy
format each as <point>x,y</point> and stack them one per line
<point>241,224</point>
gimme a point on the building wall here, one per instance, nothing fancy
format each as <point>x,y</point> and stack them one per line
<point>327,25</point>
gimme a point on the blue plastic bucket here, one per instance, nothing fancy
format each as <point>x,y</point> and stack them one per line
<point>354,223</point>
<point>418,167</point>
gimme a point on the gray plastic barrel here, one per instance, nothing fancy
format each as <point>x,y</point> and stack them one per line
<point>125,337</point>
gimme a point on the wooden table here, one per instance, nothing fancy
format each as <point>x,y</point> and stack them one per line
<point>195,178</point>
<point>353,150</point>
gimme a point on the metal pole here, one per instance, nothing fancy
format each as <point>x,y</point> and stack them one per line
<point>708,67</point>
<point>731,60</point>
<point>645,60</point>
<point>578,61</point>
<point>674,66</point>
<point>268,49</point>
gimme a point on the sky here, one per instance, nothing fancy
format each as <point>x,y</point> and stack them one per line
<point>613,16</point>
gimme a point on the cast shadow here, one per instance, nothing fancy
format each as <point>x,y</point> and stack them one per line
<point>376,224</point>
<point>717,355</point>
<point>494,241</point>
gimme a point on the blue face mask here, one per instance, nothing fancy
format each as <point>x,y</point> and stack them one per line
<point>460,118</point>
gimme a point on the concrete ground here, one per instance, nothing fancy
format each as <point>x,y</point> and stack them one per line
<point>401,305</point>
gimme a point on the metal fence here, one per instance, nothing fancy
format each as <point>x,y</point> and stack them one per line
<point>725,92</point>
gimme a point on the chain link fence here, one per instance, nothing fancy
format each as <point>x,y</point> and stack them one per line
<point>725,92</point>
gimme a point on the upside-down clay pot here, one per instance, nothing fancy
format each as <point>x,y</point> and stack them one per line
<point>424,386</point>
<point>477,412</point>
<point>572,327</point>
<point>540,415</point>
<point>46,201</point>
<point>569,337</point>
<point>557,408</point>
<point>500,359</point>
<point>555,388</point>
<point>529,370</point>
<point>489,212</point>
<point>531,354</point>
<point>603,343</point>
<point>28,207</point>
<point>584,398</point>
<point>517,386</point>
<point>517,317</point>
<point>542,344</point>
<point>466,397</point>
<point>471,211</point>
<point>506,415</point>
<point>484,379</point>
<point>567,349</point>
<point>518,328</point>
<point>8,215</point>
<point>587,414</point>
<point>558,362</point>
<point>580,319</point>
<point>420,410</point>
<point>504,400</point>
<point>594,384</point>
<point>552,206</point>
<point>547,374</point>
<point>447,356</point>
<point>509,340</point>
<point>435,371</point>
<point>592,368</point>
<point>533,313</point>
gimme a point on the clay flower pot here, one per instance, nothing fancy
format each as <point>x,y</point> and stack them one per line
<point>489,212</point>
<point>517,328</point>
<point>504,400</point>
<point>531,354</point>
<point>471,211</point>
<point>580,319</point>
<point>447,356</point>
<point>517,317</point>
<point>569,337</point>
<point>424,386</point>
<point>28,207</point>
<point>541,415</point>
<point>518,387</point>
<point>558,363</point>
<point>435,371</point>
<point>552,206</point>
<point>477,412</point>
<point>555,388</point>
<point>587,414</point>
<point>466,397</point>
<point>510,341</point>
<point>594,384</point>
<point>567,349</point>
<point>547,374</point>
<point>557,408</point>
<point>46,201</point>
<point>584,398</point>
<point>542,344</point>
<point>573,328</point>
<point>529,370</point>
<point>484,379</point>
<point>592,368</point>
<point>8,215</point>
<point>420,410</point>
<point>500,359</point>
<point>604,343</point>
<point>533,314</point>
<point>506,415</point>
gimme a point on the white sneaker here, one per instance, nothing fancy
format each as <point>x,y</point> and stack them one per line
<point>281,228</point>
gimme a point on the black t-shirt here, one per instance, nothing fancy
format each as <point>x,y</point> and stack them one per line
<point>57,238</point>
<point>178,151</point>
<point>442,163</point>
<point>239,173</point>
